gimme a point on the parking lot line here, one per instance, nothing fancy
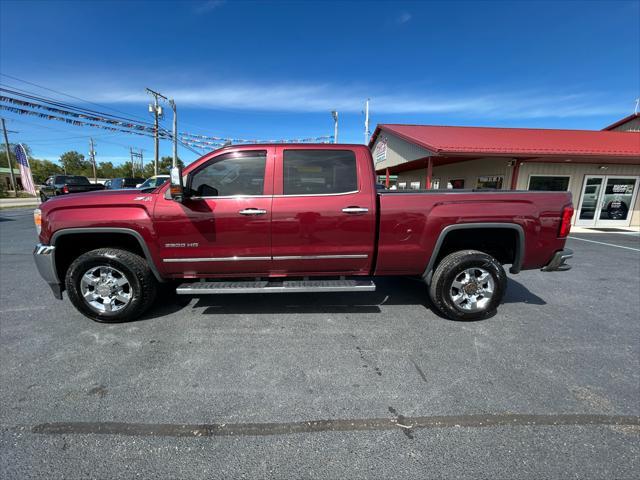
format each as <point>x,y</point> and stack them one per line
<point>604,243</point>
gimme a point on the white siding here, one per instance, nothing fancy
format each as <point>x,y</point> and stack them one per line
<point>398,151</point>
<point>632,125</point>
<point>577,172</point>
<point>469,170</point>
<point>472,169</point>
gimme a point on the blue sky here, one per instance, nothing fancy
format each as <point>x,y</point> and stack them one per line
<point>276,69</point>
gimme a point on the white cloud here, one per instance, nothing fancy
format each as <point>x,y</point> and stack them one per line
<point>404,17</point>
<point>208,6</point>
<point>325,97</point>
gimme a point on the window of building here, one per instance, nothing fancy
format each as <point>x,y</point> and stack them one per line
<point>319,172</point>
<point>415,185</point>
<point>494,181</point>
<point>456,183</point>
<point>435,183</point>
<point>231,174</point>
<point>549,183</point>
<point>402,185</point>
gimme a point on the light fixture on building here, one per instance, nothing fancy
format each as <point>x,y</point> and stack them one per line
<point>603,167</point>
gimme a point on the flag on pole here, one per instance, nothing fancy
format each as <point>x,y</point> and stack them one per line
<point>25,170</point>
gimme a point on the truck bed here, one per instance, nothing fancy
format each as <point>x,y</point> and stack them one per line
<point>412,222</point>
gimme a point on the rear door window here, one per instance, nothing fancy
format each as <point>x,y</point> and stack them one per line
<point>319,172</point>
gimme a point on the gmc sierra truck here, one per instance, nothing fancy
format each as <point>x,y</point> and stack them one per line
<point>293,218</point>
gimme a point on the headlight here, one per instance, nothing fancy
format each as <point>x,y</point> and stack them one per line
<point>37,219</point>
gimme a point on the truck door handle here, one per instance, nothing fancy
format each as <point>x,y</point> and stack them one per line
<point>355,210</point>
<point>252,211</point>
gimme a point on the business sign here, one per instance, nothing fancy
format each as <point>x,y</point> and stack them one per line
<point>380,152</point>
<point>623,189</point>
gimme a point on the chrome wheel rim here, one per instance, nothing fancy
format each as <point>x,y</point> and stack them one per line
<point>472,289</point>
<point>105,289</point>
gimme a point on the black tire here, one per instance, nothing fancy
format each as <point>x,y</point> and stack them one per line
<point>451,268</point>
<point>43,197</point>
<point>141,283</point>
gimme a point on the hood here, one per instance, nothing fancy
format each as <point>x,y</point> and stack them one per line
<point>98,198</point>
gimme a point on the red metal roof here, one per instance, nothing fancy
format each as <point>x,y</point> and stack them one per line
<point>622,121</point>
<point>523,142</point>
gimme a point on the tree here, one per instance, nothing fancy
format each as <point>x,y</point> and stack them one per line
<point>107,170</point>
<point>165,164</point>
<point>41,169</point>
<point>75,164</point>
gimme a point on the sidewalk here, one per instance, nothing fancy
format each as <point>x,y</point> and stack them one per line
<point>19,202</point>
<point>575,229</point>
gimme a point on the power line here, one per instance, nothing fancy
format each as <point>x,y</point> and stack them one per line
<point>66,94</point>
<point>38,98</point>
<point>78,113</point>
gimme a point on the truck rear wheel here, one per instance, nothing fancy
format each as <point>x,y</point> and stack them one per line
<point>468,285</point>
<point>110,285</point>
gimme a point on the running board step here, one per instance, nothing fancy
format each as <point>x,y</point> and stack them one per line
<point>286,286</point>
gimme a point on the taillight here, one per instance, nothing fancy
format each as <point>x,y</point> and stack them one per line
<point>565,225</point>
<point>65,189</point>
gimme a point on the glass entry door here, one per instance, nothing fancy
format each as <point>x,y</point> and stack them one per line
<point>607,201</point>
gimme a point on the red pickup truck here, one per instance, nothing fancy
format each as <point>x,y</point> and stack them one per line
<point>293,218</point>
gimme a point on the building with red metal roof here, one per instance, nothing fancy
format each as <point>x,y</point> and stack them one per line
<point>600,168</point>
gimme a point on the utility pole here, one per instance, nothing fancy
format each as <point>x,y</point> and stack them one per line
<point>133,156</point>
<point>157,113</point>
<point>334,114</point>
<point>92,155</point>
<point>366,122</point>
<point>175,133</point>
<point>6,144</point>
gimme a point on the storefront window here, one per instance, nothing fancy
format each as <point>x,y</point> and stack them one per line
<point>494,181</point>
<point>616,201</point>
<point>548,183</point>
<point>456,183</point>
<point>415,185</point>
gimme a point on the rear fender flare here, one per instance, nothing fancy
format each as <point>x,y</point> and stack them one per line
<point>519,254</point>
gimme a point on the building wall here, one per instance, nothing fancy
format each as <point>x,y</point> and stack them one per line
<point>632,125</point>
<point>469,170</point>
<point>577,172</point>
<point>398,151</point>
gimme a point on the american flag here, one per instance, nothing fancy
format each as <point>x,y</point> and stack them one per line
<point>25,170</point>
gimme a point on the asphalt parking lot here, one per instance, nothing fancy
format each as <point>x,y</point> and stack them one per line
<point>232,385</point>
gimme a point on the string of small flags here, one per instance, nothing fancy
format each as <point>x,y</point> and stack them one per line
<point>78,123</point>
<point>204,142</point>
<point>83,116</point>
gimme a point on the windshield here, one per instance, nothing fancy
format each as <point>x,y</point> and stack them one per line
<point>131,182</point>
<point>154,182</point>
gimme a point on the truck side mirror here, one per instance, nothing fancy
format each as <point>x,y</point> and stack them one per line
<point>176,189</point>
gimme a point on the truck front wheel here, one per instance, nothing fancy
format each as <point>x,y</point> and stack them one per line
<point>110,285</point>
<point>468,285</point>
